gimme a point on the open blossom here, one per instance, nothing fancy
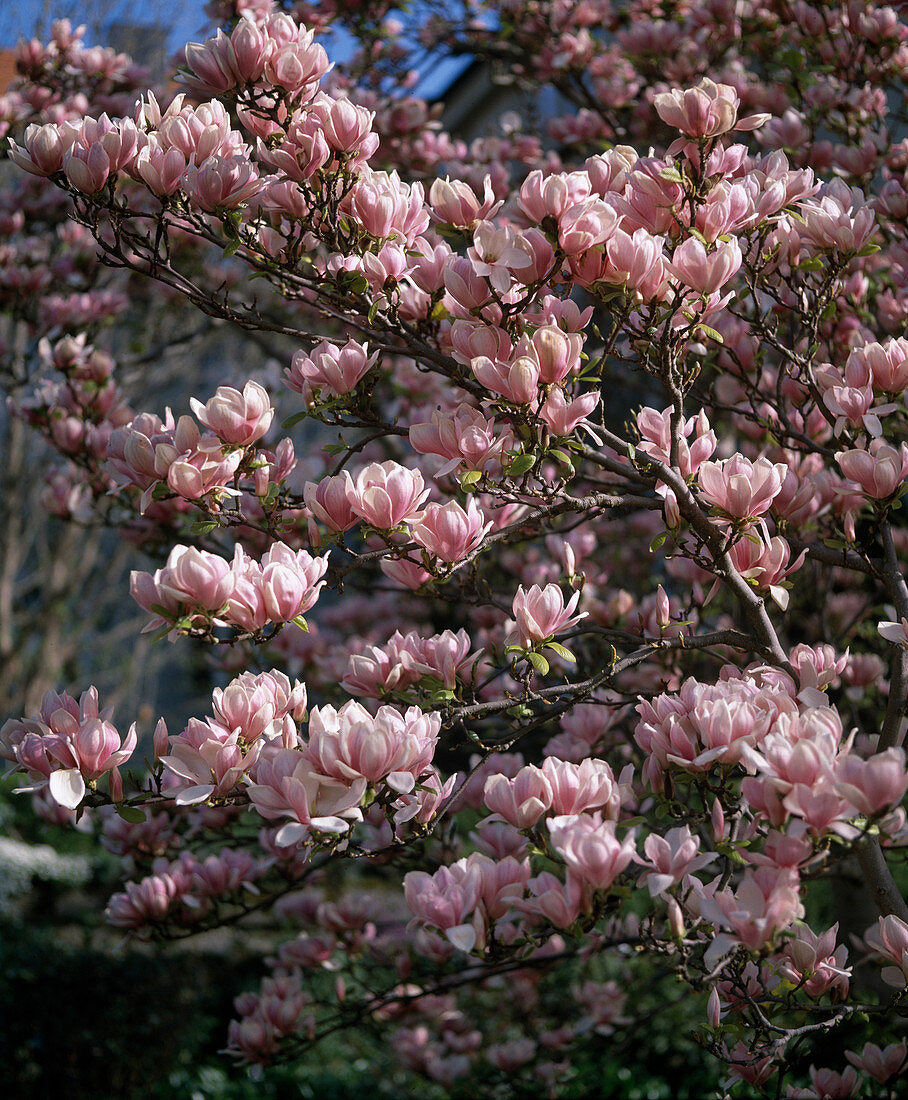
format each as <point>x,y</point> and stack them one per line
<point>286,785</point>
<point>838,217</point>
<point>67,746</point>
<point>260,705</point>
<point>455,203</point>
<point>705,272</point>
<point>765,902</point>
<point>562,417</point>
<point>740,488</point>
<point>590,847</point>
<point>495,255</point>
<point>386,494</point>
<point>446,900</point>
<point>708,110</point>
<point>465,437</point>
<point>234,417</point>
<point>334,369</point>
<point>880,1063</point>
<point>880,472</point>
<point>671,857</point>
<point>351,744</point>
<point>451,532</point>
<point>522,800</point>
<point>541,612</point>
<point>889,940</point>
<point>221,183</point>
<point>207,761</point>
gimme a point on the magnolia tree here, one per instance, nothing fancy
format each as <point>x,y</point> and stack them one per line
<point>564,654</point>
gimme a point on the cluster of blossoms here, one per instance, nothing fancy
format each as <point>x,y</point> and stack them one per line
<point>635,804</point>
<point>197,590</point>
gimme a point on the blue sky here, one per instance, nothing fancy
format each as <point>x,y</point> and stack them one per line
<point>184,18</point>
<point>21,18</point>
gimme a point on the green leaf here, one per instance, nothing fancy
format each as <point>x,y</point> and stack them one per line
<point>469,479</point>
<point>231,247</point>
<point>869,249</point>
<point>132,814</point>
<point>562,651</point>
<point>299,621</point>
<point>521,465</point>
<point>538,662</point>
<point>562,457</point>
<point>711,332</point>
<point>658,541</point>
<point>373,310</point>
<point>204,526</point>
<point>672,174</point>
<point>292,421</point>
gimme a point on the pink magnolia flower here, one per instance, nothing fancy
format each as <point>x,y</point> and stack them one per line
<point>889,940</point>
<point>446,900</point>
<point>880,472</point>
<point>221,183</point>
<point>207,761</point>
<point>45,147</point>
<point>766,902</point>
<point>705,272</point>
<point>708,110</point>
<point>672,857</point>
<point>874,785</point>
<point>299,65</point>
<point>541,613</point>
<point>815,963</point>
<point>450,532</point>
<point>559,903</point>
<point>386,494</point>
<point>837,218</point>
<point>562,417</point>
<point>455,203</point>
<point>521,801</point>
<point>290,581</point>
<point>334,369</point>
<point>347,127</point>
<point>286,785</point>
<point>351,744</point>
<point>257,705</point>
<point>87,168</point>
<point>880,1063</point>
<point>327,500</point>
<point>494,255</point>
<point>741,489</point>
<point>191,579</point>
<point>517,381</point>
<point>465,437</point>
<point>589,785</point>
<point>234,417</point>
<point>590,848</point>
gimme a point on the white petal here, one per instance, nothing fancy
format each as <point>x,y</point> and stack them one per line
<point>67,787</point>
<point>192,795</point>
<point>463,936</point>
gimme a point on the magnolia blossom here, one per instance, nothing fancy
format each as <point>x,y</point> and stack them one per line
<point>350,744</point>
<point>541,613</point>
<point>708,110</point>
<point>451,532</point>
<point>741,489</point>
<point>234,417</point>
<point>386,494</point>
